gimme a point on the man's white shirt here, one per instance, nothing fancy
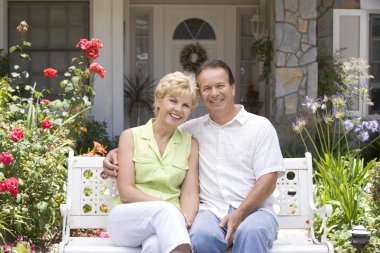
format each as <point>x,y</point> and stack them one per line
<point>233,157</point>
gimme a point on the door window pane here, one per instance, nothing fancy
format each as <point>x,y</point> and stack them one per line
<point>194,29</point>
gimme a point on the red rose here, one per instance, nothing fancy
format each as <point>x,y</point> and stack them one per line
<point>10,185</point>
<point>50,73</point>
<point>82,44</point>
<point>97,69</point>
<point>3,186</point>
<point>17,134</point>
<point>96,43</point>
<point>92,53</point>
<point>13,191</point>
<point>90,47</point>
<point>45,101</point>
<point>45,124</point>
<point>6,158</point>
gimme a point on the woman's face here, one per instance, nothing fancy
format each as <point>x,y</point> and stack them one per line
<point>174,110</point>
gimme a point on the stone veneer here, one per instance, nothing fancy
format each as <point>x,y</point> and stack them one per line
<point>295,62</point>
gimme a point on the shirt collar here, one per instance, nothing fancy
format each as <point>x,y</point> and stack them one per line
<point>148,132</point>
<point>240,118</point>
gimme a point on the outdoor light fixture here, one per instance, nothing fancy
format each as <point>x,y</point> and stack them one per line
<point>258,28</point>
<point>359,237</point>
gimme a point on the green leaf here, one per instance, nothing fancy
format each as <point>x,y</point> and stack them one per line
<point>42,206</point>
<point>26,43</point>
<point>12,49</point>
<point>15,74</point>
<point>20,248</point>
<point>25,56</point>
<point>63,83</point>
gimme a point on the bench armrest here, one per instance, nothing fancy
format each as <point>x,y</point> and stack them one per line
<point>323,212</point>
<point>65,212</point>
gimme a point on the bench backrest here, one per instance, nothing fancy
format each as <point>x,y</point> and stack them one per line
<point>89,196</point>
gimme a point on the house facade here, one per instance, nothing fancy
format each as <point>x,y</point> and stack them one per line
<point>145,39</point>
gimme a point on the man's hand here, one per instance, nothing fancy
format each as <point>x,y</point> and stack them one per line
<point>110,165</point>
<point>232,221</point>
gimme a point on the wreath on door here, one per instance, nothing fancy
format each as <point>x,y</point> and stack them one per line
<point>192,56</point>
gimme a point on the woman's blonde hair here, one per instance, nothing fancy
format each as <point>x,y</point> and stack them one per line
<point>176,84</point>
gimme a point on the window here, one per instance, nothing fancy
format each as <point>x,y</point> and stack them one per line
<point>55,29</point>
<point>194,29</point>
<point>374,61</point>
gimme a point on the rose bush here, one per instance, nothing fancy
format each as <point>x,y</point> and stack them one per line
<point>35,137</point>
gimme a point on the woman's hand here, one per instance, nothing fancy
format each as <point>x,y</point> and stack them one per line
<point>188,220</point>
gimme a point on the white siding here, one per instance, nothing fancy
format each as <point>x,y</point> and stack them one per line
<point>350,32</point>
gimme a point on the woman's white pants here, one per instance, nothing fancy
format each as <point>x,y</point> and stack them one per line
<point>158,226</point>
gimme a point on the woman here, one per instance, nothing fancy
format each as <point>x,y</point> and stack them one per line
<point>158,177</point>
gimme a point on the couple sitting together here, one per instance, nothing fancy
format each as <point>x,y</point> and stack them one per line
<point>165,204</point>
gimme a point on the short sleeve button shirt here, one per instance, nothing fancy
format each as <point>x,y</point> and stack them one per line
<point>233,157</point>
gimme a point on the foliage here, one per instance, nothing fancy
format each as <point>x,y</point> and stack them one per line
<point>4,64</point>
<point>329,73</point>
<point>337,141</point>
<point>35,136</point>
<point>343,191</point>
<point>93,130</point>
<point>262,50</point>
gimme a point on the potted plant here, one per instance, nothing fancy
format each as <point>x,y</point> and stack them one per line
<point>138,98</point>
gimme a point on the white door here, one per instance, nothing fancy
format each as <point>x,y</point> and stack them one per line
<point>173,17</point>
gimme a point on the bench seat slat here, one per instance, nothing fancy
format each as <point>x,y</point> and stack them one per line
<point>90,245</point>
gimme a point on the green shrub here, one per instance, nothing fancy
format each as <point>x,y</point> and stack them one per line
<point>35,137</point>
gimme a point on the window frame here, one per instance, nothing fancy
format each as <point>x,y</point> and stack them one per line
<point>363,46</point>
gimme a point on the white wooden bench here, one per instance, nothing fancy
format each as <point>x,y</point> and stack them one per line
<point>89,196</point>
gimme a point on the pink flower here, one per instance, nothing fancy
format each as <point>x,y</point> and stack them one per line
<point>97,69</point>
<point>50,73</point>
<point>45,124</point>
<point>6,157</point>
<point>45,101</point>
<point>104,234</point>
<point>17,134</point>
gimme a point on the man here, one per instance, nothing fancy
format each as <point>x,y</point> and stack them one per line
<point>239,162</point>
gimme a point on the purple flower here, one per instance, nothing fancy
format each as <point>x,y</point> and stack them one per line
<point>299,125</point>
<point>348,125</point>
<point>373,126</point>
<point>364,136</point>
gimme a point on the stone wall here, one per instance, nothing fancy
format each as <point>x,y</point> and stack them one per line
<point>295,62</point>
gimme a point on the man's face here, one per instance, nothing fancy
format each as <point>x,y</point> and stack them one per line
<point>216,92</point>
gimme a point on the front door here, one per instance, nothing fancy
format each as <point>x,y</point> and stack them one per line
<point>189,25</point>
